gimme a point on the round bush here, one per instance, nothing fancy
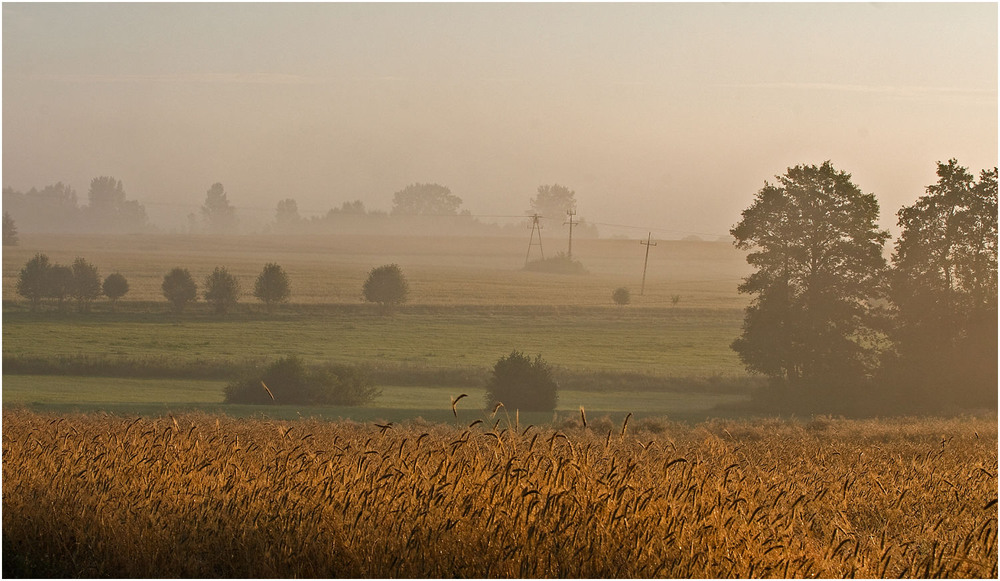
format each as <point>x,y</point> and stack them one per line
<point>289,381</point>
<point>522,383</point>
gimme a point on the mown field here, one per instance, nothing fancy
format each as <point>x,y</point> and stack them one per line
<point>470,303</point>
<point>210,496</point>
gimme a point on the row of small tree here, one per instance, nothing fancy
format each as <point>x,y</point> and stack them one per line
<point>829,315</point>
<point>222,288</point>
<point>41,279</point>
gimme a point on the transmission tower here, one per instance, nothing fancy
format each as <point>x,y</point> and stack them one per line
<point>571,214</point>
<point>647,242</point>
<point>536,226</point>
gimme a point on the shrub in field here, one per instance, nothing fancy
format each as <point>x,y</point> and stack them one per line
<point>32,282</point>
<point>115,286</point>
<point>522,383</point>
<point>86,284</point>
<point>621,296</point>
<point>179,288</point>
<point>289,381</point>
<point>387,286</point>
<point>272,286</point>
<point>559,264</point>
<point>222,290</point>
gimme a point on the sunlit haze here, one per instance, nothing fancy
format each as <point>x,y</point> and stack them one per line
<point>661,117</point>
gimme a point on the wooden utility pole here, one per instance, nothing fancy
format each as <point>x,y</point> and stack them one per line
<point>647,242</point>
<point>535,226</point>
<point>571,214</point>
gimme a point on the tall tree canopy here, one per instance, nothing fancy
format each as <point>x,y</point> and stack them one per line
<point>220,215</point>
<point>814,241</point>
<point>553,202</point>
<point>944,286</point>
<point>108,210</point>
<point>427,199</point>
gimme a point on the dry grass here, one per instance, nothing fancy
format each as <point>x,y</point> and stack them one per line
<point>206,496</point>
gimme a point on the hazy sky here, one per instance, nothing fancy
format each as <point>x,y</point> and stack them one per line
<point>661,116</point>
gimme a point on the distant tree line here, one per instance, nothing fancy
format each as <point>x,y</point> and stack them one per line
<point>831,321</point>
<point>426,209</point>
<point>55,208</point>
<point>419,208</point>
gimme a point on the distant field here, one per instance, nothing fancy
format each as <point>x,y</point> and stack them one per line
<point>441,271</point>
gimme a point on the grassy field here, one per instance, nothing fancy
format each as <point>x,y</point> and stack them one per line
<point>674,342</point>
<point>204,496</point>
<point>470,304</point>
<point>396,403</point>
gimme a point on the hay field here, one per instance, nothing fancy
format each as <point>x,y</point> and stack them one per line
<point>207,496</point>
<point>441,271</point>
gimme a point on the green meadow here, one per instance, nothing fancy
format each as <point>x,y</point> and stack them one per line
<point>469,304</point>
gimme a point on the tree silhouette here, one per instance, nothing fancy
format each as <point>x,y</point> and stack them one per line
<point>33,280</point>
<point>553,201</point>
<point>179,288</point>
<point>387,286</point>
<point>429,199</point>
<point>814,241</point>
<point>272,286</point>
<point>86,284</point>
<point>944,286</point>
<point>219,214</point>
<point>115,286</point>
<point>9,230</point>
<point>222,290</point>
<point>520,383</point>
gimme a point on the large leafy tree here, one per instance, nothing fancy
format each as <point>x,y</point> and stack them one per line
<point>817,250</point>
<point>943,285</point>
<point>425,199</point>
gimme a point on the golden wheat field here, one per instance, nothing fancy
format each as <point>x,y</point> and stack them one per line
<point>209,496</point>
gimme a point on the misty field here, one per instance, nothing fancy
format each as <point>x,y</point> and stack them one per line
<point>469,304</point>
<point>209,496</point>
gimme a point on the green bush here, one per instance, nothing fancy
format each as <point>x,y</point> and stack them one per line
<point>179,288</point>
<point>621,296</point>
<point>289,381</point>
<point>222,290</point>
<point>522,383</point>
<point>387,286</point>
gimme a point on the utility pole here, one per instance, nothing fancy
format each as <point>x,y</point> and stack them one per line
<point>647,242</point>
<point>571,223</point>
<point>535,226</point>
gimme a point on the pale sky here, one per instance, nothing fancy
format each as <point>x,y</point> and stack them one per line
<point>660,116</point>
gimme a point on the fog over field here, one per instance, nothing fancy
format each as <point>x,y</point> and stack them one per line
<point>661,117</point>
